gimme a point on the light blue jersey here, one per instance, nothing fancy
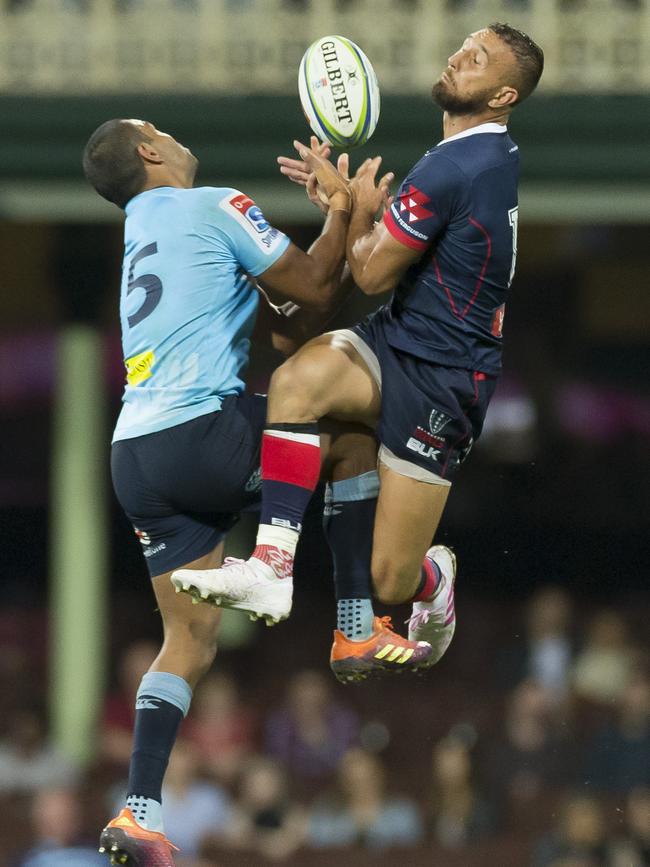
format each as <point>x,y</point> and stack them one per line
<point>187,308</point>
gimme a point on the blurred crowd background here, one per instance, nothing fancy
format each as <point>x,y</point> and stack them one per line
<point>529,744</point>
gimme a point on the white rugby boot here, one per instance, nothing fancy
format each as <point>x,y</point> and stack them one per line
<point>245,585</point>
<point>435,621</point>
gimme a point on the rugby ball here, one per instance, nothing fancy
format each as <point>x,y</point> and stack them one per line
<point>339,92</point>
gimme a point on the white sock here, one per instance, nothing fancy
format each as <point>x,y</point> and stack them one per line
<point>278,537</point>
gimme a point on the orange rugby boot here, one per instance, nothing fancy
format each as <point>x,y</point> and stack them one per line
<point>127,843</point>
<point>385,652</point>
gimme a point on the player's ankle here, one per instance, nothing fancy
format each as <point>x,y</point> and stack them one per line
<point>429,582</point>
<point>281,562</point>
<point>283,538</point>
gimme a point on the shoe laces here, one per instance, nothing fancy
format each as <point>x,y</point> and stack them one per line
<point>419,618</point>
<point>387,623</point>
<point>232,571</point>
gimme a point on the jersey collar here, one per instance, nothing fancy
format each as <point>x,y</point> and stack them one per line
<point>482,127</point>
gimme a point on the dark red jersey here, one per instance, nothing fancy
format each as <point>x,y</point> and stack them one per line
<point>458,205</point>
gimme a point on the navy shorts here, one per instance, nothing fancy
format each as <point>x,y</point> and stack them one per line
<point>183,488</point>
<point>430,415</point>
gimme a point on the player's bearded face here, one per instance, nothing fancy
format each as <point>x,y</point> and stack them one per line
<point>447,96</point>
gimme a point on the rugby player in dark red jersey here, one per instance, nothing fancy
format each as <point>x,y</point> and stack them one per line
<point>422,369</point>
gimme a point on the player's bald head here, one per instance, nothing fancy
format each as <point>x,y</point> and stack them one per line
<point>111,161</point>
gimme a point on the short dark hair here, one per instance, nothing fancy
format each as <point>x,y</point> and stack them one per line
<point>528,54</point>
<point>111,161</point>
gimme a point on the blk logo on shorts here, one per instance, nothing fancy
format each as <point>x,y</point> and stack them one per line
<point>428,443</point>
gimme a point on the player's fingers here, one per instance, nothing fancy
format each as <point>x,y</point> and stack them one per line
<point>386,181</point>
<point>343,165</point>
<point>296,177</point>
<point>323,148</point>
<point>373,167</point>
<point>294,169</point>
<point>363,169</point>
<point>307,154</point>
<point>295,164</point>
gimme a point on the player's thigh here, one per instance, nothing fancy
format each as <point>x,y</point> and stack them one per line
<point>408,514</point>
<point>327,376</point>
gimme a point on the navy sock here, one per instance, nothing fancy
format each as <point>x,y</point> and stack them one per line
<point>162,701</point>
<point>349,519</point>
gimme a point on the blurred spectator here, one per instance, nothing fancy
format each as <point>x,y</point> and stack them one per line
<point>311,732</point>
<point>549,643</point>
<point>529,760</point>
<point>56,818</point>
<point>27,760</point>
<point>116,731</point>
<point>634,847</point>
<point>545,653</point>
<point>460,814</point>
<point>580,837</point>
<point>618,758</point>
<point>360,811</point>
<point>193,809</point>
<point>265,819</point>
<point>221,727</point>
<point>603,667</point>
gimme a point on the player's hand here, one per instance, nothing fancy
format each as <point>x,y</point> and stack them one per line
<point>297,170</point>
<point>333,185</point>
<point>315,191</point>
<point>369,194</point>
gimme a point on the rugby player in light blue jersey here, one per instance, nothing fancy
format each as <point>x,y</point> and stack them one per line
<point>186,448</point>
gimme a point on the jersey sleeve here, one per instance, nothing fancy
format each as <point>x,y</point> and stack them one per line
<point>254,243</point>
<point>425,201</point>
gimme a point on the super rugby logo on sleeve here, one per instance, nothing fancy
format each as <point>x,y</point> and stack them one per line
<point>248,215</point>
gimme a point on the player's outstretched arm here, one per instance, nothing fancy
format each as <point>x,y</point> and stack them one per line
<point>376,259</point>
<point>313,279</point>
<point>287,327</point>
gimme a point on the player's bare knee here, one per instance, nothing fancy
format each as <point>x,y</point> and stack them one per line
<point>195,641</point>
<point>297,389</point>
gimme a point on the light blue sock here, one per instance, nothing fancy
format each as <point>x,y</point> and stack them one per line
<point>146,812</point>
<point>354,618</point>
